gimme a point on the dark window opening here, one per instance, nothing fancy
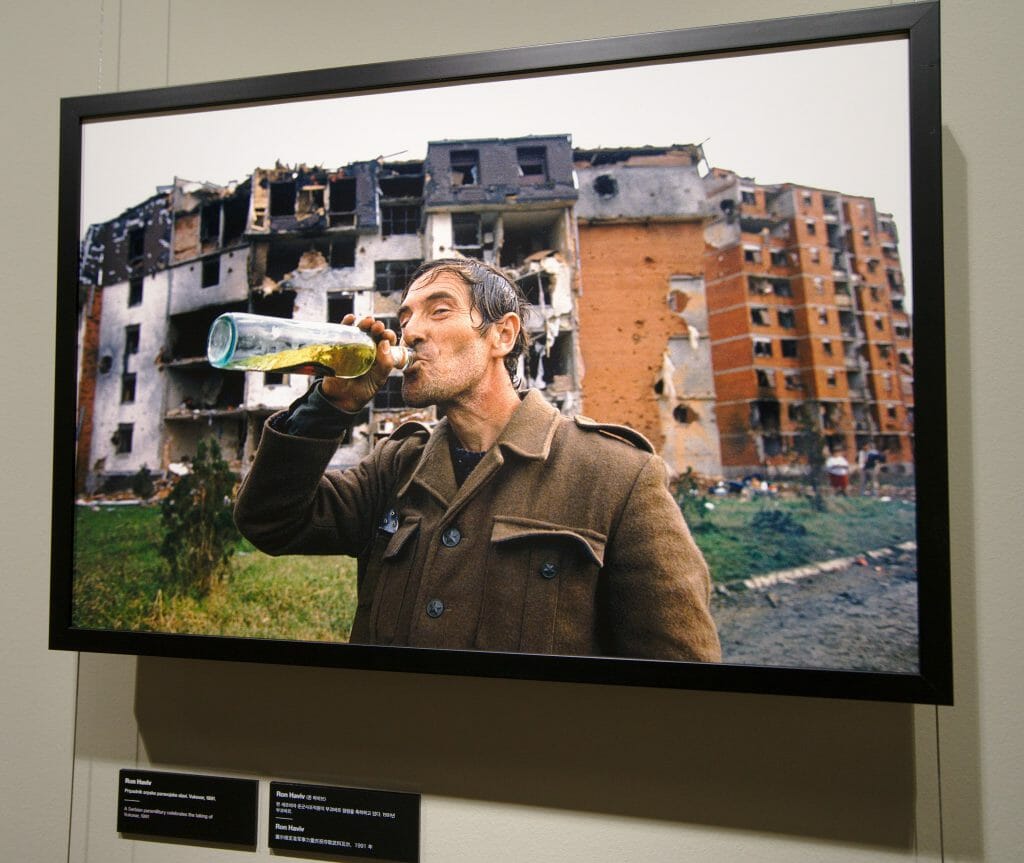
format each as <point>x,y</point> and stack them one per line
<point>466,230</point>
<point>136,246</point>
<point>465,166</point>
<point>122,439</point>
<point>533,164</point>
<point>606,186</point>
<point>106,363</point>
<point>787,318</point>
<point>273,378</point>
<point>759,316</point>
<point>401,186</point>
<point>389,276</point>
<point>789,348</point>
<point>131,339</point>
<point>522,238</point>
<point>891,412</point>
<point>342,202</point>
<point>211,271</point>
<point>282,258</point>
<point>186,333</point>
<point>127,388</point>
<point>826,346</point>
<point>794,381</point>
<point>339,305</point>
<point>282,198</point>
<point>135,291</point>
<point>236,214</point>
<point>764,415</point>
<point>536,287</point>
<point>209,223</point>
<point>748,198</point>
<point>277,305</point>
<point>765,378</point>
<point>399,219</point>
<point>551,367</point>
<point>343,253</point>
<point>779,258</point>
<point>762,348</point>
<point>752,256</point>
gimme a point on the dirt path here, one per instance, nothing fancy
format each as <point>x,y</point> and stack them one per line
<point>861,617</point>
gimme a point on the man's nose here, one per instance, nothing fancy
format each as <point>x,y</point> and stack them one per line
<point>411,331</point>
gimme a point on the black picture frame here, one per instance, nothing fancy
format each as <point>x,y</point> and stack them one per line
<point>917,24</point>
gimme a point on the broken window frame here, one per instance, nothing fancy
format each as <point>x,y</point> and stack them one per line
<point>210,271</point>
<point>281,196</point>
<point>762,347</point>
<point>123,438</point>
<point>463,163</point>
<point>391,276</point>
<point>129,382</point>
<point>132,334</point>
<point>135,285</point>
<point>532,163</point>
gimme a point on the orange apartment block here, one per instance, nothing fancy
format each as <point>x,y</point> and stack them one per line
<point>808,325</point>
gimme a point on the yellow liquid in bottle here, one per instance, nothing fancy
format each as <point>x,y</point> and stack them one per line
<point>343,361</point>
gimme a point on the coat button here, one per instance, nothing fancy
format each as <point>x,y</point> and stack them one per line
<point>549,570</point>
<point>451,537</point>
<point>435,608</point>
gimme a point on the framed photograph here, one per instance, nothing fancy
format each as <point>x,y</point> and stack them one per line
<point>730,239</point>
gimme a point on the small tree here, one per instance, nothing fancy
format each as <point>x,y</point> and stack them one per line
<point>199,530</point>
<point>812,443</point>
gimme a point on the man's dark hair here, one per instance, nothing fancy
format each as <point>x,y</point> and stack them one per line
<point>492,293</point>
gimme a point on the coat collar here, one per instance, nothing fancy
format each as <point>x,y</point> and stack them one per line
<point>528,434</point>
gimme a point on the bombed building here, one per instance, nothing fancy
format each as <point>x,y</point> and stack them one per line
<point>722,318</point>
<point>312,244</point>
<point>810,334</point>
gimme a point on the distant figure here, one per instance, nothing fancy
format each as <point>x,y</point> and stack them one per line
<point>868,460</point>
<point>838,470</point>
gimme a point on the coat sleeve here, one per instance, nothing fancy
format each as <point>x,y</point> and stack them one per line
<point>656,583</point>
<point>287,504</point>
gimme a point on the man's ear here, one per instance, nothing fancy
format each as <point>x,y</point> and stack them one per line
<point>504,333</point>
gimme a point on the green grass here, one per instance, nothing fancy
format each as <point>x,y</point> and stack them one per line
<point>121,583</point>
<point>735,548</point>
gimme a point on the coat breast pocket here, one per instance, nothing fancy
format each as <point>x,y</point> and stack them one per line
<point>539,587</point>
<point>388,570</point>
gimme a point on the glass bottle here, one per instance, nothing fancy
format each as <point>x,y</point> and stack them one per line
<point>260,343</point>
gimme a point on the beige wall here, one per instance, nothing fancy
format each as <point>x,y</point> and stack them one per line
<point>514,771</point>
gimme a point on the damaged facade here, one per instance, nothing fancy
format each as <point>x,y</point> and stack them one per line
<point>644,308</point>
<point>312,244</point>
<point>808,322</point>
<point>694,305</point>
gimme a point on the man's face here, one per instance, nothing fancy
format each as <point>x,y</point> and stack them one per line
<point>440,325</point>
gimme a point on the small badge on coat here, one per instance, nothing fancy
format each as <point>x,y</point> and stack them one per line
<point>389,524</point>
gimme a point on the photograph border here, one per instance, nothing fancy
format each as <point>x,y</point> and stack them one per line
<point>917,23</point>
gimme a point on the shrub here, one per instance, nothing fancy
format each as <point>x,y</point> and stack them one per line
<point>199,530</point>
<point>777,521</point>
<point>142,484</point>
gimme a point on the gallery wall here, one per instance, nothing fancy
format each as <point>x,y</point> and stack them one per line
<point>513,771</point>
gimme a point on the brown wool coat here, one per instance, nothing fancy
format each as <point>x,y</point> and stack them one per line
<point>563,540</point>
